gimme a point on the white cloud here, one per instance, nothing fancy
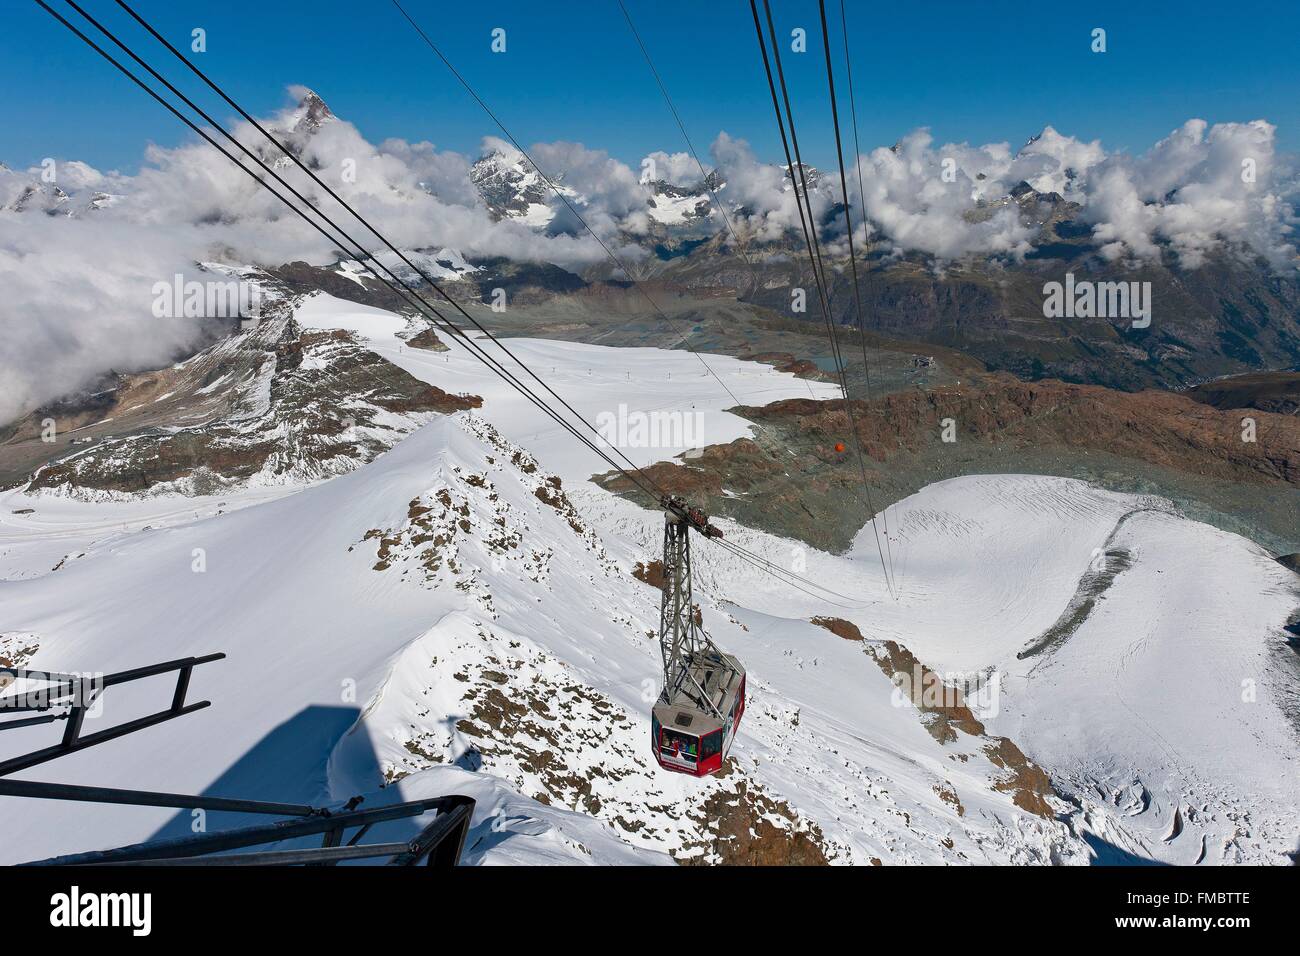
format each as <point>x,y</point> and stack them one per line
<point>607,187</point>
<point>922,198</point>
<point>1052,162</point>
<point>1198,188</point>
<point>76,310</point>
<point>1188,193</point>
<point>678,168</point>
<point>761,188</point>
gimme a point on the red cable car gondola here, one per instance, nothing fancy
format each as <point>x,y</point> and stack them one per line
<point>691,739</point>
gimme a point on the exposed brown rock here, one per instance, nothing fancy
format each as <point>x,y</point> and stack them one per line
<point>428,339</point>
<point>949,796</point>
<point>946,713</point>
<point>742,834</point>
<point>786,362</point>
<point>790,480</point>
<point>1277,392</point>
<point>16,650</point>
<point>305,426</point>
<point>549,493</point>
<point>839,627</point>
<point>1028,783</point>
<point>929,694</point>
<point>1158,427</point>
<point>652,573</point>
<point>430,399</point>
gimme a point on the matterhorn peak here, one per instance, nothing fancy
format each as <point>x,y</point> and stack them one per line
<point>310,113</point>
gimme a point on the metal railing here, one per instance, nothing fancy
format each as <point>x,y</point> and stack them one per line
<point>78,694</point>
<point>438,844</point>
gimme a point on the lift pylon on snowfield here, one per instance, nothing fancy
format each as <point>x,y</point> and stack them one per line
<point>694,721</point>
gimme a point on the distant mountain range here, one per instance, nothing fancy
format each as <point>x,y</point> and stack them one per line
<point>1233,313</point>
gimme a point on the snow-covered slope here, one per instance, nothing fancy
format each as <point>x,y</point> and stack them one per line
<point>671,204</point>
<point>1138,655</point>
<point>596,380</point>
<point>460,615</point>
<point>278,404</point>
<point>433,608</point>
<point>441,264</point>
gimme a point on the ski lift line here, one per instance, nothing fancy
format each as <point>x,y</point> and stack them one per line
<point>803,200</point>
<point>211,84</point>
<point>778,571</point>
<point>807,221</point>
<point>810,232</point>
<point>363,255</point>
<point>848,222</point>
<point>215,358</point>
<point>262,129</point>
<point>775,570</point>
<point>654,492</point>
<point>814,248</point>
<point>787,577</point>
<point>572,209</point>
<point>613,257</point>
<point>686,136</point>
<point>815,254</point>
<point>365,258</point>
<point>862,200</point>
<point>794,183</point>
<point>717,203</point>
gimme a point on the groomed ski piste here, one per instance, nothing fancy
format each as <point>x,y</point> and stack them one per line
<point>460,616</point>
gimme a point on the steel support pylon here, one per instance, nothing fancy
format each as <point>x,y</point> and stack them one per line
<point>681,641</point>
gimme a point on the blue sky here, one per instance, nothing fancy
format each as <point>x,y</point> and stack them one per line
<point>975,71</point>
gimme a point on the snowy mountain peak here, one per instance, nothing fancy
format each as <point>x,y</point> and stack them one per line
<point>310,113</point>
<point>511,187</point>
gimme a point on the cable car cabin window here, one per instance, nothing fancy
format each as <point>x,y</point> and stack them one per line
<point>654,729</point>
<point>680,745</point>
<point>711,744</point>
